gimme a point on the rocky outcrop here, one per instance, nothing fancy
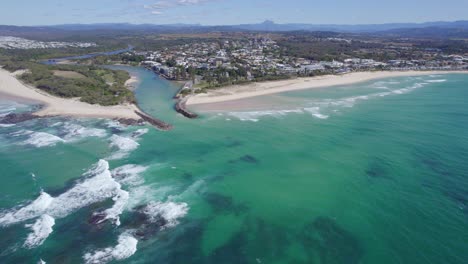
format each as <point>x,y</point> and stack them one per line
<point>180,107</point>
<point>159,124</point>
<point>130,121</point>
<point>14,118</point>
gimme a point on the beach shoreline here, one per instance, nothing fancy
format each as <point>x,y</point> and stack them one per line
<point>238,92</point>
<point>132,83</point>
<point>11,88</point>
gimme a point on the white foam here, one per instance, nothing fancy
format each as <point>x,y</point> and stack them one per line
<point>120,201</point>
<point>41,262</point>
<point>315,111</point>
<point>41,229</point>
<point>76,132</point>
<point>114,124</point>
<point>436,81</point>
<point>99,186</point>
<point>42,139</point>
<point>140,132</point>
<point>7,125</point>
<point>170,211</point>
<point>129,174</point>
<point>254,116</point>
<point>30,211</point>
<point>126,247</point>
<point>124,146</point>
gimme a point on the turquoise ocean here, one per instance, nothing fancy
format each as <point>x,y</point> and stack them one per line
<point>374,172</point>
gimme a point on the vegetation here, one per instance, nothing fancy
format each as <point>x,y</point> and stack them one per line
<point>96,86</point>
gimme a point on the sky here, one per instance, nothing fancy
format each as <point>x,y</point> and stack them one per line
<point>229,12</point>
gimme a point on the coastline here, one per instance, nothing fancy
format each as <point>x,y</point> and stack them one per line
<point>12,88</point>
<point>237,92</point>
<point>132,83</point>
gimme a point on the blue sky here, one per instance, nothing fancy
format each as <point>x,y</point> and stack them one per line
<point>224,12</point>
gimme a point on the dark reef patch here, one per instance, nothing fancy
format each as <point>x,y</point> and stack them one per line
<point>378,169</point>
<point>331,243</point>
<point>221,203</point>
<point>247,159</point>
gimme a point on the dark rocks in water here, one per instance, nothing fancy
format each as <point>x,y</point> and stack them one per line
<point>14,118</point>
<point>181,108</point>
<point>328,241</point>
<point>97,218</point>
<point>115,130</point>
<point>154,121</point>
<point>145,226</point>
<point>130,121</point>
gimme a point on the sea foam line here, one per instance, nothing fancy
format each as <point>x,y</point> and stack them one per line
<point>321,108</point>
<point>126,247</point>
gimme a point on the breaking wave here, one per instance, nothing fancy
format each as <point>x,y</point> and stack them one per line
<point>436,81</point>
<point>129,174</point>
<point>170,211</point>
<point>40,139</point>
<point>126,247</point>
<point>99,186</point>
<point>323,108</point>
<point>254,116</point>
<point>41,229</point>
<point>124,146</point>
<point>76,132</point>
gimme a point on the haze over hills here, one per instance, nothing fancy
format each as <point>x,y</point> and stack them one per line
<point>265,26</point>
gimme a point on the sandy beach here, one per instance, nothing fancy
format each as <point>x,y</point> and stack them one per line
<point>132,83</point>
<point>11,88</point>
<point>236,92</point>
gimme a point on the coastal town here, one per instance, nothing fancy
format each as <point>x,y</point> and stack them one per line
<point>8,42</point>
<point>218,63</point>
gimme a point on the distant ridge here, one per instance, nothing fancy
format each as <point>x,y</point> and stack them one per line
<point>436,29</point>
<point>267,25</point>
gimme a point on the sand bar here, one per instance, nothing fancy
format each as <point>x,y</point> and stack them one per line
<point>11,87</point>
<point>236,92</point>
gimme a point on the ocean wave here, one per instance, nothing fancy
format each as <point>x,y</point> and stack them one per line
<point>8,107</point>
<point>324,107</point>
<point>169,211</point>
<point>124,146</point>
<point>315,111</point>
<point>126,247</point>
<point>129,174</point>
<point>76,132</point>
<point>7,125</point>
<point>42,139</point>
<point>41,229</point>
<point>254,116</point>
<point>99,186</point>
<point>436,81</point>
<point>140,132</point>
<point>113,213</point>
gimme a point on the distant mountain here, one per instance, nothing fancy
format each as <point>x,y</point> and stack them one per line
<point>271,26</point>
<point>265,26</point>
<point>428,32</point>
<point>432,29</point>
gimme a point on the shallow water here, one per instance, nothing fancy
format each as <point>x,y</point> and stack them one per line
<point>367,173</point>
